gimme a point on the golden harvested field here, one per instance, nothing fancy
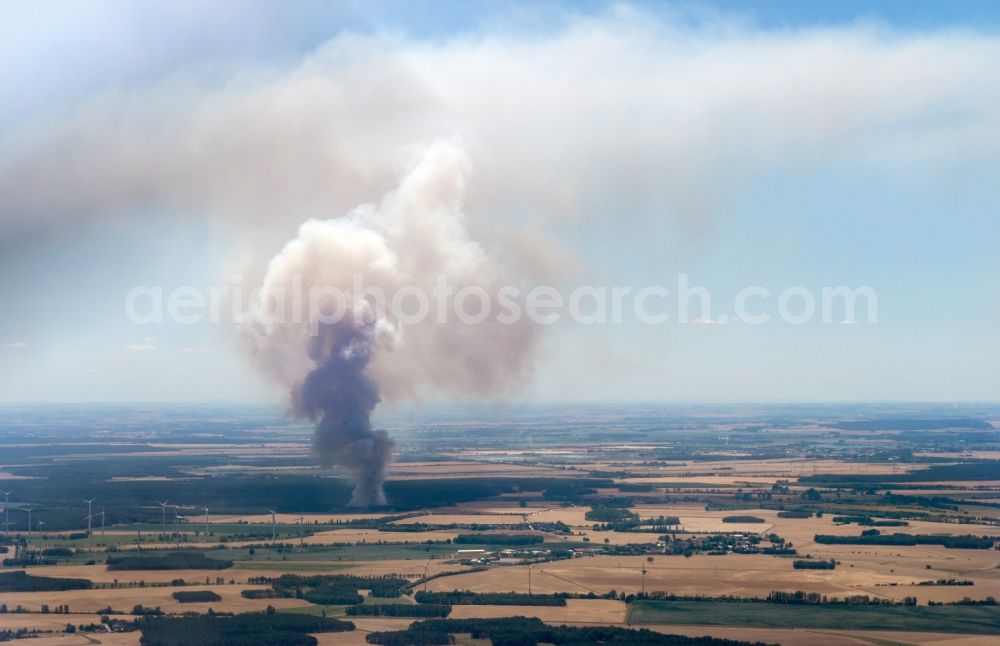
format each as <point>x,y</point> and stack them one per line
<point>240,575</point>
<point>463,519</point>
<point>364,625</point>
<point>742,575</point>
<point>595,611</point>
<point>108,639</point>
<point>124,599</point>
<point>412,569</point>
<point>13,621</point>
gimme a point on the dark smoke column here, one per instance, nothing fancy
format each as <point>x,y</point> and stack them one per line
<point>340,397</point>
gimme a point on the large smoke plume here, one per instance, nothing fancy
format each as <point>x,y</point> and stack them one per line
<point>336,365</point>
<point>341,397</point>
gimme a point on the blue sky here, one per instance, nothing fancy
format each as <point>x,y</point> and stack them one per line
<point>788,143</point>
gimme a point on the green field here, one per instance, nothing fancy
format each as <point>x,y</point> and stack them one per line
<point>982,620</point>
<point>289,566</point>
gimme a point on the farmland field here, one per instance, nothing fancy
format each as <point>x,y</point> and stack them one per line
<point>680,517</point>
<point>963,619</point>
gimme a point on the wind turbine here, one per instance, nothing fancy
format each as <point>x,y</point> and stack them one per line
<point>27,509</point>
<point>6,512</point>
<point>177,527</point>
<point>163,518</point>
<point>301,533</point>
<point>206,524</point>
<point>90,515</point>
<point>138,536</point>
<point>274,526</point>
<point>101,514</point>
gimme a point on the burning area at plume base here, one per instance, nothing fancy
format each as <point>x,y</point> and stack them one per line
<point>338,353</point>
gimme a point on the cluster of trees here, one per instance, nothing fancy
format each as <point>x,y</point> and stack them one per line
<point>335,589</point>
<point>608,514</point>
<point>571,490</point>
<point>248,629</point>
<point>966,601</point>
<point>258,594</point>
<point>874,537</point>
<point>524,631</point>
<point>423,610</point>
<point>815,565</point>
<point>614,517</point>
<point>557,527</point>
<point>172,561</point>
<point>743,519</point>
<point>24,582</point>
<point>31,559</point>
<point>57,551</point>
<point>62,609</point>
<point>948,582</point>
<point>868,521</point>
<point>467,598</point>
<point>499,539</point>
<point>196,596</point>
<point>815,599</point>
<point>794,514</point>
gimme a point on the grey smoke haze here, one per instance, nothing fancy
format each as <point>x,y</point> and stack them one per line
<point>622,112</point>
<point>340,397</point>
<point>336,367</point>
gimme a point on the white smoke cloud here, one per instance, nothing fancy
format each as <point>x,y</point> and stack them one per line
<point>416,236</point>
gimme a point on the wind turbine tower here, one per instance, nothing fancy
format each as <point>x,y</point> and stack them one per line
<point>163,518</point>
<point>90,515</point>
<point>28,509</point>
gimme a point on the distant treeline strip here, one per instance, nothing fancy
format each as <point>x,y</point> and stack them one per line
<point>248,629</point>
<point>23,582</point>
<point>467,598</point>
<point>967,541</point>
<point>970,470</point>
<point>524,630</point>
<point>173,561</point>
